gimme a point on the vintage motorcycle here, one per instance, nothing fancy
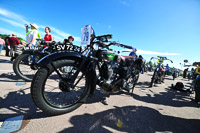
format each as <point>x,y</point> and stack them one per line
<point>159,74</point>
<point>24,65</point>
<point>65,79</point>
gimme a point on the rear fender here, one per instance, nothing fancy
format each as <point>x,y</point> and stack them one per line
<point>33,52</point>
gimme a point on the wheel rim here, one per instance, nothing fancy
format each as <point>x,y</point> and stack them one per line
<point>25,66</point>
<point>55,92</point>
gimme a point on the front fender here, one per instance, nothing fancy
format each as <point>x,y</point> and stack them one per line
<point>56,56</point>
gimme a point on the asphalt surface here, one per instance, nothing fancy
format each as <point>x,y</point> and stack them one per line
<point>156,109</point>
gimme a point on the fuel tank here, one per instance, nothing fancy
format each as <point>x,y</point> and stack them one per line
<point>108,55</point>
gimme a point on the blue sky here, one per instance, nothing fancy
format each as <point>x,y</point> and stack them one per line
<point>155,27</point>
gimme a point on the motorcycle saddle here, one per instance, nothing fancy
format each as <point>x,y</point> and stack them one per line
<point>127,58</point>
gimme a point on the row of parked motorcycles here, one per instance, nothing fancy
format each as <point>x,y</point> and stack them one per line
<point>159,76</point>
<point>64,75</point>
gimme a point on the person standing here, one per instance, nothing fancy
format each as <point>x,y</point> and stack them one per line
<point>13,44</point>
<point>2,43</point>
<point>143,64</point>
<point>167,70</point>
<point>185,73</point>
<point>7,45</point>
<point>48,37</point>
<point>32,35</point>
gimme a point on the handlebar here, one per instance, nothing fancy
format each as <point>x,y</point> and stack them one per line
<point>43,42</point>
<point>161,58</point>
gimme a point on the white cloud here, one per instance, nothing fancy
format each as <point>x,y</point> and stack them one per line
<point>14,23</point>
<point>5,31</point>
<point>109,26</point>
<point>155,53</point>
<point>151,52</point>
<point>12,15</point>
<point>124,2</point>
<point>64,34</point>
<point>19,21</point>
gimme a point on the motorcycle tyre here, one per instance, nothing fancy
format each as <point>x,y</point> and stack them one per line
<point>37,87</point>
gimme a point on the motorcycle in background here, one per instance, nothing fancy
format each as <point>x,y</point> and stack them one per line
<point>196,84</point>
<point>175,73</point>
<point>159,74</point>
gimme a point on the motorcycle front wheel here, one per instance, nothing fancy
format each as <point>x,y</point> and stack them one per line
<point>55,95</point>
<point>153,79</point>
<point>132,81</point>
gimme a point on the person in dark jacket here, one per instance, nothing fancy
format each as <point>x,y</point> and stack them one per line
<point>69,40</point>
<point>7,45</point>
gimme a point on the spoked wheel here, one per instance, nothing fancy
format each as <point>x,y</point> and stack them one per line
<point>52,91</point>
<point>153,79</point>
<point>132,81</point>
<point>24,66</point>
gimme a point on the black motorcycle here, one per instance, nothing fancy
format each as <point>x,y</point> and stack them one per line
<point>159,73</point>
<point>175,73</point>
<point>66,79</point>
<point>24,65</point>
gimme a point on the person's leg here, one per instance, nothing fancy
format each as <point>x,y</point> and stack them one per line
<point>142,70</point>
<point>7,50</point>
<point>1,47</point>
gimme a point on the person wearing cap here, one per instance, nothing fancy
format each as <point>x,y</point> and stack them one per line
<point>32,35</point>
<point>69,40</point>
<point>48,37</point>
<point>13,44</point>
<point>2,43</point>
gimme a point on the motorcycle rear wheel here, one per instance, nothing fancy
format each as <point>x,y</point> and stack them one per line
<point>23,68</point>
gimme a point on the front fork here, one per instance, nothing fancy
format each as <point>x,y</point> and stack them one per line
<point>90,67</point>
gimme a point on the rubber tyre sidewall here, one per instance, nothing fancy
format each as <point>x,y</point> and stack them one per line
<point>16,66</point>
<point>37,86</point>
<point>197,91</point>
<point>153,78</point>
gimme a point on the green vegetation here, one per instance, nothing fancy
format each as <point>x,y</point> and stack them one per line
<point>4,36</point>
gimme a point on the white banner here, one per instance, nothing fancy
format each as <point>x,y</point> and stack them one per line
<point>85,35</point>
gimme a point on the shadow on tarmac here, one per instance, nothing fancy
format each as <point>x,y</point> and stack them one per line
<point>18,103</point>
<point>131,119</point>
<point>172,98</point>
<point>8,77</point>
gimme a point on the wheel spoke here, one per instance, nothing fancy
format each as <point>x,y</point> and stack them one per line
<point>58,93</point>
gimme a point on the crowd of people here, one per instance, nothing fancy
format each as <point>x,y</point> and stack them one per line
<point>13,46</point>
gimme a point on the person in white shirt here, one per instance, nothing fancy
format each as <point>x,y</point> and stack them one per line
<point>32,35</point>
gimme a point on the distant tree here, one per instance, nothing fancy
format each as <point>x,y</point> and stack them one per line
<point>154,65</point>
<point>4,36</point>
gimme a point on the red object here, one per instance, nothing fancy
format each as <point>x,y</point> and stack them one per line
<point>13,41</point>
<point>161,68</point>
<point>48,37</point>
